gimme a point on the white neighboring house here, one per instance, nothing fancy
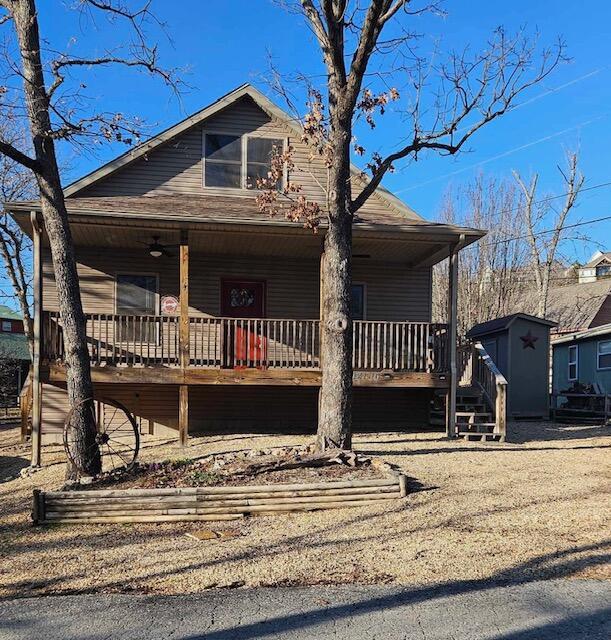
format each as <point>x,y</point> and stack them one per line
<point>597,268</point>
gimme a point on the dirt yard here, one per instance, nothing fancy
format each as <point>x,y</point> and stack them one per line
<point>533,508</point>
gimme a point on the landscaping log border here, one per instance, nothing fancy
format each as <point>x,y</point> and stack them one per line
<point>209,503</point>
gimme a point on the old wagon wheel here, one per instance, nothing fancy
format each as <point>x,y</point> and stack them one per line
<point>117,435</point>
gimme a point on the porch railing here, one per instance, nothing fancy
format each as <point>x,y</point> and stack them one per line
<point>124,340</point>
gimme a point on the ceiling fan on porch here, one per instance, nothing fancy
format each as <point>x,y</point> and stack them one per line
<point>156,249</point>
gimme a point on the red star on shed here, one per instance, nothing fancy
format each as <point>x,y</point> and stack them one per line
<point>528,340</point>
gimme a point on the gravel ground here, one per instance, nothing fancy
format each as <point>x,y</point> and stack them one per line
<point>535,508</point>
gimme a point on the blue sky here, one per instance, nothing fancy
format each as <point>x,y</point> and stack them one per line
<point>224,44</point>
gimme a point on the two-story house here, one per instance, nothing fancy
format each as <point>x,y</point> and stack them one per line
<point>203,312</point>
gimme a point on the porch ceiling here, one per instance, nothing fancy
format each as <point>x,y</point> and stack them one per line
<point>256,244</point>
<point>429,245</point>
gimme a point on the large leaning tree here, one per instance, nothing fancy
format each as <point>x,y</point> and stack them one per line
<point>46,88</point>
<point>371,57</point>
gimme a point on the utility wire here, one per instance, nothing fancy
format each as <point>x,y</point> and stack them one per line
<point>539,233</point>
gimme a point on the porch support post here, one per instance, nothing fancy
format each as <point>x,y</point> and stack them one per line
<point>452,339</point>
<point>184,299</point>
<point>37,334</point>
<point>321,316</point>
<point>183,415</point>
<point>183,393</point>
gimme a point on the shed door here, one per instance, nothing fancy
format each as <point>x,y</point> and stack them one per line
<point>245,341</point>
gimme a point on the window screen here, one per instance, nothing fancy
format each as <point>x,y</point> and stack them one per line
<point>258,157</point>
<point>604,354</point>
<point>573,352</point>
<point>136,294</point>
<point>357,310</point>
<point>223,157</point>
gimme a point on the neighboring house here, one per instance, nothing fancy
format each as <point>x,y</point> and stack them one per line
<point>597,268</point>
<point>14,356</point>
<point>583,358</point>
<point>203,313</point>
<point>574,307</point>
<point>519,346</point>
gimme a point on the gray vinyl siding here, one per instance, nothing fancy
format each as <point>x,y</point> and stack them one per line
<point>177,166</point>
<point>393,292</point>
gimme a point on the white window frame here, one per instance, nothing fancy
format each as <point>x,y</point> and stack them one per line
<point>598,354</point>
<point>118,274</point>
<point>9,324</point>
<point>244,137</point>
<point>573,362</point>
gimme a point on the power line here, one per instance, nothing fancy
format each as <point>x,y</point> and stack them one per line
<point>539,233</point>
<point>560,195</point>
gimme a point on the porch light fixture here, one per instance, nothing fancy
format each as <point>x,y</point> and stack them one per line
<point>155,251</point>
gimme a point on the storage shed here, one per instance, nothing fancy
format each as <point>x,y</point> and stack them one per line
<point>519,345</point>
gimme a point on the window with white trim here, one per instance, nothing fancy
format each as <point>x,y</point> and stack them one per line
<point>573,356</point>
<point>236,162</point>
<point>603,354</point>
<point>7,326</point>
<point>136,295</point>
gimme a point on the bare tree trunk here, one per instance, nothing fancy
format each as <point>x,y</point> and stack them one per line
<point>80,389</point>
<point>335,408</point>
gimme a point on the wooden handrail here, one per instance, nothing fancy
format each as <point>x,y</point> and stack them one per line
<point>494,386</point>
<point>283,343</point>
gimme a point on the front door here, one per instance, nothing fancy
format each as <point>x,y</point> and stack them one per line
<point>245,343</point>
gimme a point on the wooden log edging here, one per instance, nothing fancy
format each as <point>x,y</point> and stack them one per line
<point>209,503</point>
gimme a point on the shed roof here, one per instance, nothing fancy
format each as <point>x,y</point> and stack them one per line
<point>500,324</point>
<point>596,332</point>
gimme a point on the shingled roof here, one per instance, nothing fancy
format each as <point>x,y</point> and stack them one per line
<point>575,307</point>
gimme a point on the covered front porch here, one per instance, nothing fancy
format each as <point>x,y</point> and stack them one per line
<point>213,335</point>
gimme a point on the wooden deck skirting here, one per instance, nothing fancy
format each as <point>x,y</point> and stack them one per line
<point>209,503</point>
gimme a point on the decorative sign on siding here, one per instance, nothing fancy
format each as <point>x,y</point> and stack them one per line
<point>169,305</point>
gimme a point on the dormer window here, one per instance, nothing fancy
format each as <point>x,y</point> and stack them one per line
<point>236,162</point>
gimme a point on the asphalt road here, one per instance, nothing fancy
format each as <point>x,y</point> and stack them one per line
<point>562,609</point>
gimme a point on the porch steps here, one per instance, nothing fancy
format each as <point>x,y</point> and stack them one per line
<point>473,420</point>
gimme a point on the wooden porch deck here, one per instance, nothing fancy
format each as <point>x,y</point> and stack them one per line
<point>147,349</point>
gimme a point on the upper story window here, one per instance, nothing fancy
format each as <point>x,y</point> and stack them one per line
<point>7,326</point>
<point>604,354</point>
<point>236,162</point>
